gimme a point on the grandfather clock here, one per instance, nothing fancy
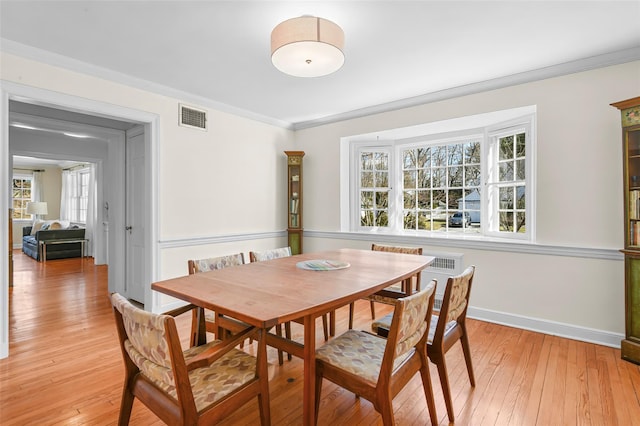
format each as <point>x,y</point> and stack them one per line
<point>630,109</point>
<point>294,199</point>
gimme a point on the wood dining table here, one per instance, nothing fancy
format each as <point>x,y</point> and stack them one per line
<point>304,286</point>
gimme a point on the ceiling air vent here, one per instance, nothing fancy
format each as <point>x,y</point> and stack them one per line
<point>193,117</point>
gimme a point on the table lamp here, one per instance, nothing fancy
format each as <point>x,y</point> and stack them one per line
<point>37,209</point>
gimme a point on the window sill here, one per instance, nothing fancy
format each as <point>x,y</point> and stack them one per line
<point>454,234</point>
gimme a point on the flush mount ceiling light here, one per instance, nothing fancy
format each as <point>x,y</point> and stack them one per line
<point>307,47</point>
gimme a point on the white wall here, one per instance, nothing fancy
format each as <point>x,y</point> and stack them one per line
<point>230,179</point>
<point>224,190</point>
<point>574,291</point>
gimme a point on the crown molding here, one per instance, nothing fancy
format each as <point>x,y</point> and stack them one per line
<point>586,64</point>
<point>54,59</point>
<point>61,61</point>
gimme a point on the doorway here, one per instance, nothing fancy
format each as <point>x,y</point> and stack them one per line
<point>114,204</point>
<point>70,188</point>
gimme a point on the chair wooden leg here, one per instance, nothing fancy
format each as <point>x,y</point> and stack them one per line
<point>125,407</point>
<point>318,391</point>
<point>279,334</point>
<point>325,327</point>
<point>373,310</point>
<point>386,411</point>
<point>428,389</point>
<point>216,329</point>
<point>287,333</point>
<point>466,349</point>
<point>351,309</point>
<point>332,323</point>
<point>444,382</point>
<point>200,336</point>
<point>263,371</point>
<point>193,341</point>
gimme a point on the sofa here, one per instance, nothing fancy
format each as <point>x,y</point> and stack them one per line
<point>31,241</point>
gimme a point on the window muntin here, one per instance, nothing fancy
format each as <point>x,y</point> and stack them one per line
<point>374,188</point>
<point>83,196</point>
<point>79,195</point>
<point>22,187</point>
<point>438,181</point>
<point>432,176</point>
<point>508,184</point>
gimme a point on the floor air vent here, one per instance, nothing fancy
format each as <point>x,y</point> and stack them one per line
<point>193,117</point>
<point>443,266</point>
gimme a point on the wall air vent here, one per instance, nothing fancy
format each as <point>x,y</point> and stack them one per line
<point>193,117</point>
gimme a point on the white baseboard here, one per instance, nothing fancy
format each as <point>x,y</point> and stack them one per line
<point>170,306</point>
<point>600,337</point>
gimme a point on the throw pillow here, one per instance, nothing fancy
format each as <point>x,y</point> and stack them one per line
<point>37,226</point>
<point>58,224</point>
<point>44,227</point>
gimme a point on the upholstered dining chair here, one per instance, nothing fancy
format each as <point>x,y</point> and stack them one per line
<point>447,328</point>
<point>220,327</point>
<point>396,288</point>
<point>376,368</point>
<point>260,256</point>
<point>201,385</point>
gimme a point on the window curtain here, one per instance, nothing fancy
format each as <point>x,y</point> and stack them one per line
<point>37,187</point>
<point>69,189</point>
<point>65,195</point>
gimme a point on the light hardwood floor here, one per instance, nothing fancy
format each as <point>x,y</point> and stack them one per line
<point>65,368</point>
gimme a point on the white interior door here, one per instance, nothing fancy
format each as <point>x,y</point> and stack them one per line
<point>135,228</point>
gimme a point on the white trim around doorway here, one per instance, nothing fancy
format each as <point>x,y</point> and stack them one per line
<point>22,93</point>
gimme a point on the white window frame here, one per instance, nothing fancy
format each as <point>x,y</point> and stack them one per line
<point>356,150</point>
<point>493,136</point>
<point>438,140</point>
<point>23,176</point>
<point>489,132</point>
<point>76,199</point>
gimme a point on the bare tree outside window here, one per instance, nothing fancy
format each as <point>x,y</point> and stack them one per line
<point>374,189</point>
<point>511,179</point>
<point>21,195</point>
<point>436,181</point>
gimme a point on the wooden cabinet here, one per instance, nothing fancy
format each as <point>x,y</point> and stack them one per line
<point>630,111</point>
<point>294,199</point>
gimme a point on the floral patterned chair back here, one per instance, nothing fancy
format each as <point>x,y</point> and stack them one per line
<point>201,385</point>
<point>449,327</point>
<point>212,321</point>
<point>213,263</point>
<point>261,256</point>
<point>277,253</point>
<point>397,287</point>
<point>376,368</point>
<point>458,289</point>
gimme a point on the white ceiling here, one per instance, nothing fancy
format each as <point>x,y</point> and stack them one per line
<point>20,161</point>
<point>398,53</point>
